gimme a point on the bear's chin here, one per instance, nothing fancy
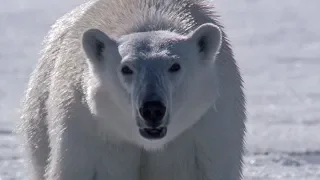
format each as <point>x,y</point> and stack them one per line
<point>153,144</point>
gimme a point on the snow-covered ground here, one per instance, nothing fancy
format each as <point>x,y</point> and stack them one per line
<point>277,44</point>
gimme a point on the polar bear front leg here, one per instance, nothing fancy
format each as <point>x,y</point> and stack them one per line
<point>219,156</point>
<point>73,153</point>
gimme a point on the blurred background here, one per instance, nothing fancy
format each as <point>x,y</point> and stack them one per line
<point>276,44</point>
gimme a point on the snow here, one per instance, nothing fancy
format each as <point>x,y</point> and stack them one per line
<point>276,44</point>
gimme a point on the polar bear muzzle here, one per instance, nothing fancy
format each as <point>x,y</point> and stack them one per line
<point>153,114</point>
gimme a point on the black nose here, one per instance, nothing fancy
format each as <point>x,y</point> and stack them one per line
<point>152,112</point>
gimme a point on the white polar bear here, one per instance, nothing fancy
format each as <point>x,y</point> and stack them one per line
<point>136,90</point>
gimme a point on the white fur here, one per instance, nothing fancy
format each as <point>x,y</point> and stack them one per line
<point>80,115</point>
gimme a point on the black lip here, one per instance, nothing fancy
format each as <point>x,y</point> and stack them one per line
<point>153,133</point>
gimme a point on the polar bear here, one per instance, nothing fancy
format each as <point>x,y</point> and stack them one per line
<point>135,90</point>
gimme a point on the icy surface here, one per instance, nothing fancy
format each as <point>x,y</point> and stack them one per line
<point>276,44</point>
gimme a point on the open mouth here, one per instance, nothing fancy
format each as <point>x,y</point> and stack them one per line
<point>153,133</point>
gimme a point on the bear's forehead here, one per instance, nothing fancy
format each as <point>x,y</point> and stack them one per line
<point>148,44</point>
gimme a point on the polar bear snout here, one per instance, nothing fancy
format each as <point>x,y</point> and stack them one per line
<point>153,117</point>
<point>152,112</point>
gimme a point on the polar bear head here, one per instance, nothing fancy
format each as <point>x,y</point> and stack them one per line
<point>150,87</point>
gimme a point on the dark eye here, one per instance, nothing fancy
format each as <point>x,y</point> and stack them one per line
<point>175,68</point>
<point>125,70</point>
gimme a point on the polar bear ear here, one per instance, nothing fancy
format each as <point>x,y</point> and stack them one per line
<point>208,39</point>
<point>95,43</point>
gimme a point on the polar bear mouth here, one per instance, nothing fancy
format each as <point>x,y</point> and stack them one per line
<point>153,133</point>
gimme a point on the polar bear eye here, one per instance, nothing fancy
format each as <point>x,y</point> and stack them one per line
<point>125,70</point>
<point>174,68</point>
